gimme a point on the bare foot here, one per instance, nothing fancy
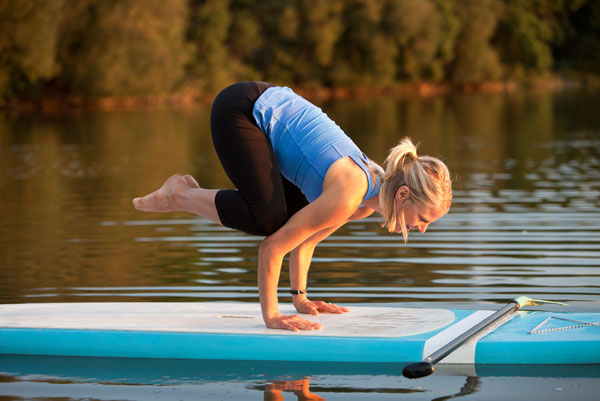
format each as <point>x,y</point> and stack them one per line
<point>165,198</point>
<point>191,181</point>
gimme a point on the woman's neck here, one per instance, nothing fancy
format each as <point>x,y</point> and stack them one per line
<point>373,203</point>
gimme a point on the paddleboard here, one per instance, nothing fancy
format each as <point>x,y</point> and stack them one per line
<point>235,331</point>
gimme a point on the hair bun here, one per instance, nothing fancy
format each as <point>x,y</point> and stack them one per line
<point>403,153</point>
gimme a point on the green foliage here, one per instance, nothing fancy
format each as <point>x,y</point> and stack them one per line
<point>210,21</point>
<point>28,35</point>
<point>139,47</point>
<point>122,47</point>
<point>416,27</point>
<point>527,32</point>
<point>579,44</point>
<point>450,28</point>
<point>366,54</point>
<point>278,57</point>
<point>475,58</point>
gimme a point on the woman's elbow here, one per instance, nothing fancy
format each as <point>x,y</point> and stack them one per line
<point>268,250</point>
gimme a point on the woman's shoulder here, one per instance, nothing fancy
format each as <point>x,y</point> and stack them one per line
<point>348,180</point>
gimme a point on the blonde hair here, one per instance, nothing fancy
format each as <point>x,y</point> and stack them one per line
<point>426,177</point>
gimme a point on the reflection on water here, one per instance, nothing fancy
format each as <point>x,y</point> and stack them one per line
<point>525,217</point>
<point>31,377</point>
<point>273,391</point>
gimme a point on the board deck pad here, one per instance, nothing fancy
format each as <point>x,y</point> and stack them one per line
<point>230,318</point>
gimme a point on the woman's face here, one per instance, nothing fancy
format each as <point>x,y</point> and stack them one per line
<point>416,218</point>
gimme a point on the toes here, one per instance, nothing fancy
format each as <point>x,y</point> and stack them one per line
<point>175,183</point>
<point>164,199</point>
<point>191,181</point>
<point>150,203</point>
<point>172,179</point>
<point>139,203</point>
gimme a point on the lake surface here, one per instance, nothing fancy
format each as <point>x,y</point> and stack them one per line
<point>525,221</point>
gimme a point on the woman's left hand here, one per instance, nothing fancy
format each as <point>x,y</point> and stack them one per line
<point>315,307</point>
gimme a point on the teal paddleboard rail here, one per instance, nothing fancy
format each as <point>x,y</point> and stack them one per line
<point>127,344</point>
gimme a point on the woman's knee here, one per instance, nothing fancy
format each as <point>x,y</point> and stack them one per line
<point>235,212</point>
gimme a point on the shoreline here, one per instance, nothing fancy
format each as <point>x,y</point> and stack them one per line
<point>189,97</point>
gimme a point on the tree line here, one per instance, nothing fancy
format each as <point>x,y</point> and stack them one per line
<point>142,47</point>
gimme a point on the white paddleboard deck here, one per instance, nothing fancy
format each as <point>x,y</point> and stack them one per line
<point>229,318</point>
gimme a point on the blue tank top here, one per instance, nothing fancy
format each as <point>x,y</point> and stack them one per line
<point>306,142</point>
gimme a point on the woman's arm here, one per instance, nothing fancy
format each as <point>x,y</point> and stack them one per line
<point>344,188</point>
<point>334,207</point>
<point>300,259</point>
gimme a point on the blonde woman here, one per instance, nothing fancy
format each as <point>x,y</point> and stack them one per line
<point>298,178</point>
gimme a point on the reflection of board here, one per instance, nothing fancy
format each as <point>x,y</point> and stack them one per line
<point>229,331</point>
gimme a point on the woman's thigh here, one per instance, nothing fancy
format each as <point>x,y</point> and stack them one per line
<point>250,162</point>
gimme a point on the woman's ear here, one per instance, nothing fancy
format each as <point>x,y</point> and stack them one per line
<point>402,193</point>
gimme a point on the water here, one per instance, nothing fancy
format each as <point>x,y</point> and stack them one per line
<point>525,220</point>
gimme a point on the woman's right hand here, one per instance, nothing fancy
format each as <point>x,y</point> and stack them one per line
<point>291,322</point>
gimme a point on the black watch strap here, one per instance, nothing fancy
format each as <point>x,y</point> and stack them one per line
<point>297,292</point>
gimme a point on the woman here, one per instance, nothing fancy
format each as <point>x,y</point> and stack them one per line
<point>298,178</point>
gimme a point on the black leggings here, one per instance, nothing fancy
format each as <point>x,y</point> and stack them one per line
<point>264,200</point>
